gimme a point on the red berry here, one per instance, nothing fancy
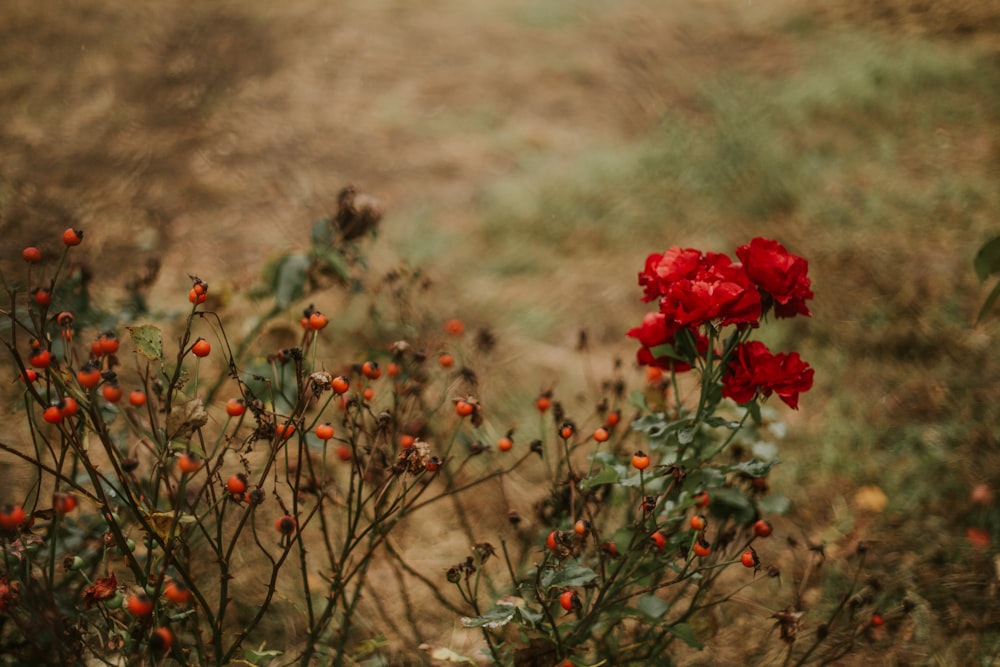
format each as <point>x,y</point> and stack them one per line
<point>640,460</point>
<point>610,548</point>
<point>368,394</point>
<point>284,430</point>
<point>393,369</point>
<point>749,559</point>
<point>72,236</point>
<point>324,431</point>
<point>188,462</point>
<point>63,503</point>
<point>601,435</point>
<point>286,525</point>
<point>406,441</point>
<point>551,541</point>
<point>201,348</point>
<point>700,499</point>
<point>455,327</point>
<point>195,297</point>
<point>613,418</point>
<point>569,600</point>
<point>505,444</point>
<point>28,375</point>
<point>139,604</point>
<point>235,407</point>
<point>161,640</point>
<point>237,484</point>
<point>52,414</point>
<point>659,539</point>
<point>464,408</point>
<point>42,296</point>
<point>40,359</point>
<point>317,321</point>
<point>433,463</point>
<point>762,528</point>
<point>567,430</point>
<point>877,620</point>
<point>698,522</point>
<point>581,527</point>
<point>11,516</point>
<point>177,592</point>
<point>32,255</point>
<point>137,398</point>
<point>343,452</point>
<point>446,360</point>
<point>340,384</point>
<point>543,403</point>
<point>370,370</point>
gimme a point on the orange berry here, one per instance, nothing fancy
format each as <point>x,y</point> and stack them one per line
<point>640,460</point>
<point>749,559</point>
<point>68,407</point>
<point>139,604</point>
<point>455,327</point>
<point>284,430</point>
<point>177,592</point>
<point>201,348</point>
<point>343,452</point>
<point>762,528</point>
<point>109,342</point>
<point>612,419</point>
<point>543,403</point>
<point>610,548</point>
<point>505,444</point>
<point>28,375</point>
<point>701,499</point>
<point>653,374</point>
<point>601,435</point>
<point>877,620</point>
<point>698,522</point>
<point>393,369</point>
<point>659,540</point>
<point>137,398</point>
<point>702,548</point>
<point>340,384</point>
<point>433,463</point>
<point>31,255</point>
<point>318,321</point>
<point>63,503</point>
<point>11,516</point>
<point>324,431</point>
<point>581,527</point>
<point>72,236</point>
<point>446,360</point>
<point>567,430</point>
<point>464,408</point>
<point>112,393</point>
<point>237,484</point>
<point>569,600</point>
<point>406,441</point>
<point>235,407</point>
<point>52,414</point>
<point>188,462</point>
<point>551,541</point>
<point>286,525</point>
<point>371,370</point>
<point>89,376</point>
<point>196,297</point>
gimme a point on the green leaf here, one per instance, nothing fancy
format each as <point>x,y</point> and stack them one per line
<point>754,409</point>
<point>994,293</point>
<point>652,606</point>
<point>607,475</point>
<point>732,503</point>
<point>332,262</point>
<point>774,504</point>
<point>494,618</point>
<point>570,575</point>
<point>753,468</point>
<point>322,232</point>
<point>684,632</point>
<point>256,656</point>
<point>529,617</point>
<point>987,261</point>
<point>148,341</point>
<point>290,279</point>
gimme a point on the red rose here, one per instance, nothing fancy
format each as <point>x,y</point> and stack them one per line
<point>656,332</point>
<point>779,274</point>
<point>755,370</point>
<point>720,291</point>
<point>662,271</point>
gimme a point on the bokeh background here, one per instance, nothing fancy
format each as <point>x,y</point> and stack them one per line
<point>529,155</point>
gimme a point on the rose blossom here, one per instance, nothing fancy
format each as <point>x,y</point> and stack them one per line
<point>779,274</point>
<point>756,370</point>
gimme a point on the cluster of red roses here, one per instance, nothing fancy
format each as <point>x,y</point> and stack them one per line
<point>699,293</point>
